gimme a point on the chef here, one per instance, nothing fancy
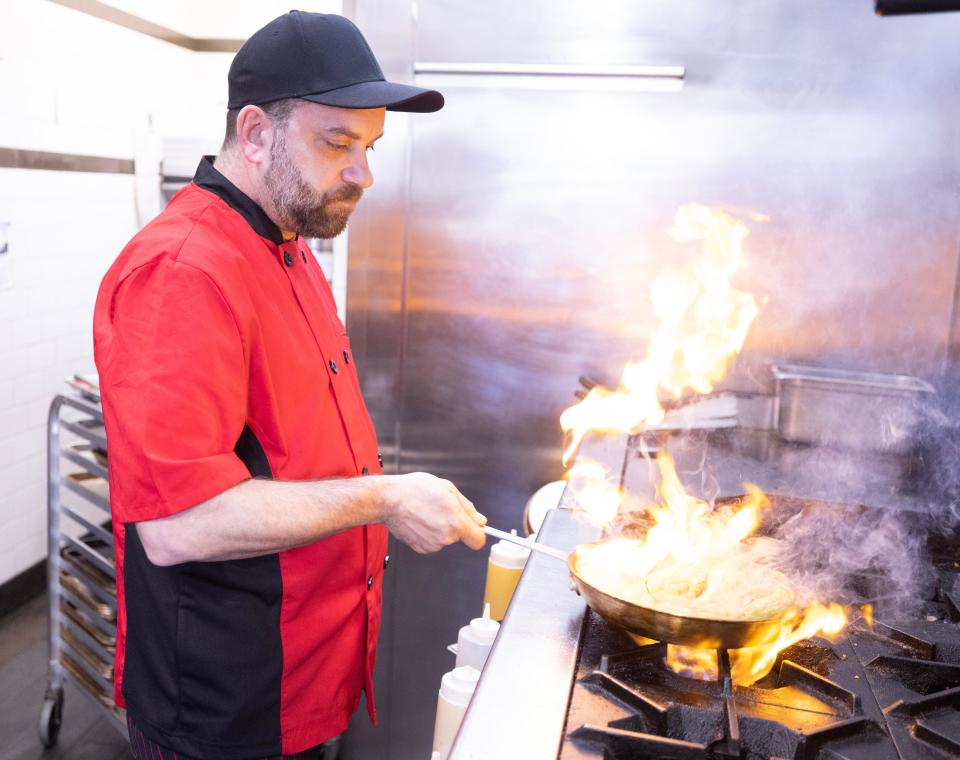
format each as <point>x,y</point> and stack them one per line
<point>249,509</point>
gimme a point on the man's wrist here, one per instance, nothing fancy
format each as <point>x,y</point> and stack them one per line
<point>378,496</point>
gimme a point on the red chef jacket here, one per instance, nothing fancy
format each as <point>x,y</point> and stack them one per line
<point>221,358</point>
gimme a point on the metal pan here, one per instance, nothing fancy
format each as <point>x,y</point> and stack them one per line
<point>654,624</point>
<point>674,629</point>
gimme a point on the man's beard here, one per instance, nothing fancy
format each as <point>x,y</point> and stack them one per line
<point>298,207</point>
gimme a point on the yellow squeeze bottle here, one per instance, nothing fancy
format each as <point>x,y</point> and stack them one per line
<point>504,569</point>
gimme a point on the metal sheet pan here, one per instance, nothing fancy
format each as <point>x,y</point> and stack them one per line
<point>80,566</point>
<point>96,657</point>
<point>89,684</point>
<point>75,585</point>
<point>93,625</point>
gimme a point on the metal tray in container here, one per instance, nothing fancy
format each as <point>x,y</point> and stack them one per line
<point>83,593</point>
<point>88,654</point>
<point>859,410</point>
<point>88,682</point>
<point>103,632</point>
<point>81,567</point>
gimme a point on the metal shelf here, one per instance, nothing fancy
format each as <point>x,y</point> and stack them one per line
<point>81,571</point>
<point>106,625</point>
<point>94,436</point>
<point>90,553</point>
<point>94,530</point>
<point>93,646</point>
<point>87,464</point>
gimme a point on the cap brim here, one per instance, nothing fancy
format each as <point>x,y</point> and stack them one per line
<point>380,94</point>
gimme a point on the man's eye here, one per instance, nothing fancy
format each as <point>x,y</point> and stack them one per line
<point>338,146</point>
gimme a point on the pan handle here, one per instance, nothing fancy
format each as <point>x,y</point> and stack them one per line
<point>526,543</point>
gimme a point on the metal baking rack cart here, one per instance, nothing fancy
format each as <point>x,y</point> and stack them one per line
<point>81,573</point>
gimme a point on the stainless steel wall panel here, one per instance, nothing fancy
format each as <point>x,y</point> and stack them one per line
<point>375,321</point>
<point>517,253</point>
<point>377,232</point>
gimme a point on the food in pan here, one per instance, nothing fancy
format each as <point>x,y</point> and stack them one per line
<point>738,587</point>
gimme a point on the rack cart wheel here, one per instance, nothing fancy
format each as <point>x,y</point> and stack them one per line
<point>51,716</point>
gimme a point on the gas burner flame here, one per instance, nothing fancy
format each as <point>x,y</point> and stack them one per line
<point>750,664</point>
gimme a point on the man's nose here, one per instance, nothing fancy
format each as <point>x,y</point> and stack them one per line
<point>358,172</point>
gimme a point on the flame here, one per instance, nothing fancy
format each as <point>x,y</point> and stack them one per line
<point>687,528</point>
<point>700,561</point>
<point>687,532</point>
<point>692,662</point>
<point>702,321</point>
<point>750,664</point>
<point>694,560</point>
<point>595,488</point>
<point>753,663</point>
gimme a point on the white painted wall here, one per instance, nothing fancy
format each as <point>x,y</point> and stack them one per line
<point>71,83</point>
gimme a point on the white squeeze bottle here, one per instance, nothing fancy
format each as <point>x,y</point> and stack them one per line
<point>456,688</point>
<point>475,640</point>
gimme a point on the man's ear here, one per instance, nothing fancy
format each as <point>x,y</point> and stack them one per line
<point>255,134</point>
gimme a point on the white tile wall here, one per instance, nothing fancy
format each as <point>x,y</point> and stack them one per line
<point>64,92</point>
<point>66,228</point>
<point>71,83</point>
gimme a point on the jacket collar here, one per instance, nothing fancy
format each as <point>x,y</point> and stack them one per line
<point>211,179</point>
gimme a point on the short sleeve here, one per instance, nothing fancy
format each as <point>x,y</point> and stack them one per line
<point>173,378</point>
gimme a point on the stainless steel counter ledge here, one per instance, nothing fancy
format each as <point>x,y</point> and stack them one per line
<point>519,707</point>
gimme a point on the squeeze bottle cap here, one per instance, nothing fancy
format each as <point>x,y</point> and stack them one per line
<point>509,555</point>
<point>456,687</point>
<point>483,628</point>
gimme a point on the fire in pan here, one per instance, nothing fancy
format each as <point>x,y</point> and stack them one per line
<point>652,623</point>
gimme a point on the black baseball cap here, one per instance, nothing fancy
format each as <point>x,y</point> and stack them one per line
<point>319,57</point>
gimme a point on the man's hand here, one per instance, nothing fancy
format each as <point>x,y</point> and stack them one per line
<point>428,513</point>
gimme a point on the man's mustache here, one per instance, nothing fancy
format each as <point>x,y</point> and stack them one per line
<point>348,193</point>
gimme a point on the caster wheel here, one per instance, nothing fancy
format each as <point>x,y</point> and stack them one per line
<point>51,716</point>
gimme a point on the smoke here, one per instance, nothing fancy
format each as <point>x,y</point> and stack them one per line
<point>847,528</point>
<point>836,553</point>
<point>816,531</point>
<point>936,473</point>
<point>692,456</point>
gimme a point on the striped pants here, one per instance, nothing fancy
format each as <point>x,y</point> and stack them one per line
<point>146,749</point>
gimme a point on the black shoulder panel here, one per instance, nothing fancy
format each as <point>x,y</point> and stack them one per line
<point>251,453</point>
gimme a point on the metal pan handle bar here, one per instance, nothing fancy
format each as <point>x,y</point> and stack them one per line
<point>527,543</point>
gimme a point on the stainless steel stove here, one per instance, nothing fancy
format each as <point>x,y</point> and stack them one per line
<point>563,683</point>
<point>890,690</point>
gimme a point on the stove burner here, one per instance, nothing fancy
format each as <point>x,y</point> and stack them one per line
<point>889,690</point>
<point>882,691</point>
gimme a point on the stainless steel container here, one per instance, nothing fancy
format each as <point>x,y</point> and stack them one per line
<point>857,410</point>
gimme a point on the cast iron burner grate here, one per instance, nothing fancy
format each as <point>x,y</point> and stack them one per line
<point>886,691</point>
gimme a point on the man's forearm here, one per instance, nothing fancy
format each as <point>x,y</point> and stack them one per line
<point>261,517</point>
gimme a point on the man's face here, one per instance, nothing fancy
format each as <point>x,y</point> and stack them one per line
<point>318,167</point>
